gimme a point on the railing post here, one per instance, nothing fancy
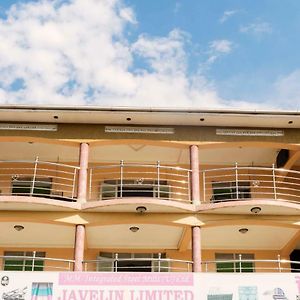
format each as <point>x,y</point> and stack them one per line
<point>159,259</point>
<point>33,260</point>
<point>116,262</point>
<point>279,262</point>
<point>74,180</point>
<point>196,248</point>
<point>158,179</point>
<point>194,165</point>
<point>240,263</point>
<point>82,178</point>
<point>34,175</point>
<point>121,177</point>
<point>79,247</point>
<point>274,181</point>
<point>236,180</point>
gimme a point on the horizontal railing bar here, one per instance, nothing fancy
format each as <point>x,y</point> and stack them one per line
<point>39,162</point>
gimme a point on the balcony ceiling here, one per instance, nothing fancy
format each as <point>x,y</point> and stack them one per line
<point>148,236</point>
<point>138,153</point>
<point>36,235</point>
<point>150,116</point>
<point>257,238</point>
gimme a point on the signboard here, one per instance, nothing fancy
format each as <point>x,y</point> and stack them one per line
<point>132,129</point>
<point>30,127</point>
<point>249,132</point>
<point>148,286</point>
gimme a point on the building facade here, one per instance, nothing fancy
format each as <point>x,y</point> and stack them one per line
<point>149,190</point>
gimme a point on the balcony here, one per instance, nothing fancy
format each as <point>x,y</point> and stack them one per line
<point>250,183</point>
<point>119,263</point>
<point>126,180</point>
<point>38,179</point>
<point>59,181</point>
<point>34,261</point>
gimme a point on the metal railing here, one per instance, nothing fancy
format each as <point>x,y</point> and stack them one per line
<point>139,180</point>
<point>241,265</point>
<point>147,264</point>
<point>241,183</point>
<point>38,179</point>
<point>35,263</point>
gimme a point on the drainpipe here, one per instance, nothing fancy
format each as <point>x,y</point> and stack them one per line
<point>196,248</point>
<point>79,247</point>
<point>194,165</point>
<point>83,172</point>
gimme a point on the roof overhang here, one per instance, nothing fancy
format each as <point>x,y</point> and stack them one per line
<point>150,116</point>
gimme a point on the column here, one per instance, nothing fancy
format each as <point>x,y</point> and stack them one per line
<point>83,172</point>
<point>196,248</point>
<point>79,247</point>
<point>194,162</point>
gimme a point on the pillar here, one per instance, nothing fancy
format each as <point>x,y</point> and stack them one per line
<point>79,247</point>
<point>194,163</point>
<point>83,172</point>
<point>196,248</point>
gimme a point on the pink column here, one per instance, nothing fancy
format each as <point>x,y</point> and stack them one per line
<point>79,247</point>
<point>196,248</point>
<point>82,178</point>
<point>194,162</point>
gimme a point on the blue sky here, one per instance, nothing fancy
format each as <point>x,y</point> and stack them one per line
<point>188,53</point>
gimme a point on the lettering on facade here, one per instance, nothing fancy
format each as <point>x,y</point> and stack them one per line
<point>30,127</point>
<point>145,130</point>
<point>249,132</point>
<point>145,294</point>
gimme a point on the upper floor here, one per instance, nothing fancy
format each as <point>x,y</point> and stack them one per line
<point>144,157</point>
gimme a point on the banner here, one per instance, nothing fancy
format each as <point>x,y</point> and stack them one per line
<point>148,286</point>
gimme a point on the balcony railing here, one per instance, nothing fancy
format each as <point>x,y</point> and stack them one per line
<point>138,180</point>
<point>137,265</point>
<point>38,179</point>
<point>59,182</point>
<point>251,265</point>
<point>242,183</point>
<point>34,263</point>
<point>175,265</point>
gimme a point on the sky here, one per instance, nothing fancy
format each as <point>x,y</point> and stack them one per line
<point>161,53</point>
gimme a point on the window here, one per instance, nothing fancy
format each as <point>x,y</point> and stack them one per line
<point>22,186</point>
<point>227,191</point>
<point>132,262</point>
<point>111,189</point>
<point>12,262</point>
<point>230,262</point>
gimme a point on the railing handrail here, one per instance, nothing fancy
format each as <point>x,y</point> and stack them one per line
<point>249,168</point>
<point>40,162</point>
<point>37,258</point>
<point>141,166</point>
<point>107,259</point>
<point>250,260</point>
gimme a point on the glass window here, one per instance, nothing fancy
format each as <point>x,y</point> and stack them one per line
<point>25,263</point>
<point>23,186</point>
<point>132,262</point>
<point>111,189</point>
<point>227,190</point>
<point>230,262</point>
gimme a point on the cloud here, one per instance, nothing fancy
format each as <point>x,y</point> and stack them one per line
<point>221,46</point>
<point>177,7</point>
<point>286,89</point>
<point>218,48</point>
<point>227,15</point>
<point>76,52</point>
<point>257,28</point>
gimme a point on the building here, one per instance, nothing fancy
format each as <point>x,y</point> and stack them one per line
<point>149,190</point>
